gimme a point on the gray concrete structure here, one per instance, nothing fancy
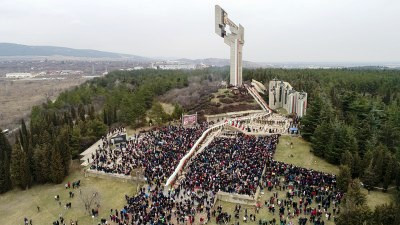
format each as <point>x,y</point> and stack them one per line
<point>282,95</point>
<point>235,39</point>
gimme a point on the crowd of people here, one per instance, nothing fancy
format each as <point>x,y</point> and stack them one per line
<point>307,186</point>
<point>233,165</point>
<point>155,206</point>
<point>157,152</point>
<point>229,164</point>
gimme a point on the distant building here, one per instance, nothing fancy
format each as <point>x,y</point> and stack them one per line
<point>282,95</point>
<point>173,65</point>
<point>19,75</point>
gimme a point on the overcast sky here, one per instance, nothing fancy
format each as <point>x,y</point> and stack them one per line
<point>275,30</point>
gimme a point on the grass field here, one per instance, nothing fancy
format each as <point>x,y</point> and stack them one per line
<point>17,204</point>
<point>300,155</point>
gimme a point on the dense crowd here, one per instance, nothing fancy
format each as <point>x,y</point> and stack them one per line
<point>308,186</point>
<point>154,206</point>
<point>233,165</point>
<point>230,164</point>
<point>157,151</point>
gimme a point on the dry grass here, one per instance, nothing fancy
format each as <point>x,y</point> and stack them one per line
<point>17,204</point>
<point>18,97</point>
<point>168,108</point>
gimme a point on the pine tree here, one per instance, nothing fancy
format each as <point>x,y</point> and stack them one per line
<point>19,168</point>
<point>73,113</point>
<point>321,141</point>
<point>357,168</point>
<point>384,214</point>
<point>370,178</point>
<point>42,158</point>
<point>387,179</point>
<point>347,159</point>
<point>81,112</point>
<point>75,143</point>
<point>355,210</point>
<point>105,118</point>
<point>344,178</point>
<point>62,144</point>
<point>92,115</point>
<point>56,167</point>
<point>178,111</point>
<point>310,122</point>
<point>378,161</point>
<point>5,157</point>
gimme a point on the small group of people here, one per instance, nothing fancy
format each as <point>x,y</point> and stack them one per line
<point>62,221</point>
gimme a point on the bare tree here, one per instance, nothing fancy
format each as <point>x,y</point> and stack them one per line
<point>90,199</point>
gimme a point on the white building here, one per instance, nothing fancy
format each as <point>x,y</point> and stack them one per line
<point>19,75</point>
<point>173,65</point>
<point>282,95</point>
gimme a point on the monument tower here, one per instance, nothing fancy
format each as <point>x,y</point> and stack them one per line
<point>235,39</point>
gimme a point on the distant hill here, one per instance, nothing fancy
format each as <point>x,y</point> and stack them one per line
<point>15,50</point>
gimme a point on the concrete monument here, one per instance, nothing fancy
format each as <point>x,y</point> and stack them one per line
<point>235,39</point>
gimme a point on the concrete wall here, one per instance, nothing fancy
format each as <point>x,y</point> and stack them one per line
<point>236,198</point>
<point>120,177</point>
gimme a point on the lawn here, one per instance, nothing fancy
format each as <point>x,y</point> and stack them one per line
<point>17,204</point>
<point>300,155</point>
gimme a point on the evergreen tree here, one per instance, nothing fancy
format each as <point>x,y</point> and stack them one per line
<point>81,112</point>
<point>25,142</point>
<point>370,178</point>
<point>62,144</point>
<point>178,111</point>
<point>96,128</point>
<point>92,115</point>
<point>19,168</point>
<point>344,178</point>
<point>378,162</point>
<point>347,159</point>
<point>321,141</point>
<point>42,158</point>
<point>384,214</point>
<point>73,113</point>
<point>75,143</point>
<point>56,167</point>
<point>5,157</point>
<point>312,119</point>
<point>387,179</point>
<point>357,168</point>
<point>355,210</point>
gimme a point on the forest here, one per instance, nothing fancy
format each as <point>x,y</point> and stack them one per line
<point>353,120</point>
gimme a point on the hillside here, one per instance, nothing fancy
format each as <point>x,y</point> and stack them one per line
<point>12,50</point>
